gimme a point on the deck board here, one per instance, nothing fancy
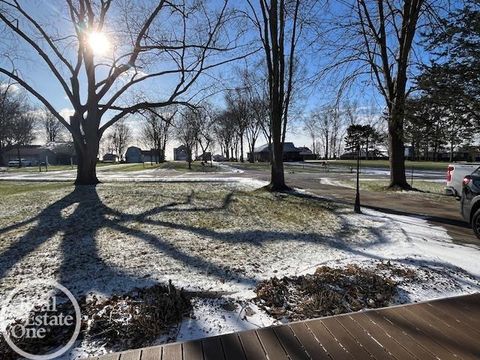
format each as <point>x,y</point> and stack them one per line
<point>444,328</point>
<point>311,345</point>
<point>152,353</point>
<point>358,333</point>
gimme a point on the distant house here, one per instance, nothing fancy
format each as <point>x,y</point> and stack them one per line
<point>290,153</point>
<point>204,157</point>
<point>152,156</point>
<point>180,153</point>
<point>110,158</point>
<point>50,154</point>
<point>306,153</point>
<point>64,152</point>
<point>219,157</point>
<point>134,155</point>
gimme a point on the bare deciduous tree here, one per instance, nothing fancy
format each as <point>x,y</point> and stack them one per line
<point>119,137</point>
<point>312,128</point>
<point>51,126</point>
<point>187,131</point>
<point>238,109</point>
<point>277,25</point>
<point>379,38</point>
<point>10,108</point>
<point>156,129</point>
<point>185,36</point>
<point>22,131</point>
<point>223,129</point>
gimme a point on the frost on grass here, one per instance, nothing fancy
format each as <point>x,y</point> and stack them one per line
<point>221,238</point>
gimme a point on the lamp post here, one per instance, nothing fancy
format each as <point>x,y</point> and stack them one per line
<point>356,207</point>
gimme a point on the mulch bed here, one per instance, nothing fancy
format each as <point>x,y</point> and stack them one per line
<point>119,322</point>
<point>330,291</point>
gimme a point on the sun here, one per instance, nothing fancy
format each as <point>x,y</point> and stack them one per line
<point>98,42</point>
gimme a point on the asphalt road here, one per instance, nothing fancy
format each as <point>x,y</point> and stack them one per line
<point>437,210</point>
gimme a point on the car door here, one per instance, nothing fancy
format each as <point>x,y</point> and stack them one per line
<point>468,193</point>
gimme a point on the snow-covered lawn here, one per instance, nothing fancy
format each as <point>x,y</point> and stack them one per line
<point>219,239</point>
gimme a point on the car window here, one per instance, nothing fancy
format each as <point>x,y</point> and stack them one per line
<point>477,172</point>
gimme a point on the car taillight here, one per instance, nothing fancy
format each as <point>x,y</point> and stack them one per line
<point>449,173</point>
<point>466,180</point>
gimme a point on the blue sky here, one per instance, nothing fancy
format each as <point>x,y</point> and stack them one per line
<point>53,14</point>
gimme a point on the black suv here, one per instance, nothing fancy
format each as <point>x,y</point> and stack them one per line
<point>471,200</point>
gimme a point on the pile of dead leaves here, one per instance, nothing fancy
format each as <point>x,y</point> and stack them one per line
<point>53,337</point>
<point>329,291</point>
<point>119,322</point>
<point>133,319</point>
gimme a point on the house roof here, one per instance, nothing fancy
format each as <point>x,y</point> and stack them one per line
<point>133,148</point>
<point>287,147</point>
<point>61,148</point>
<point>29,150</point>
<point>305,150</point>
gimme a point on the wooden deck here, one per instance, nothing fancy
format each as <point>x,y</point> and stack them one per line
<point>441,329</point>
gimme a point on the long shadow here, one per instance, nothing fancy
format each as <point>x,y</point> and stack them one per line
<point>80,215</point>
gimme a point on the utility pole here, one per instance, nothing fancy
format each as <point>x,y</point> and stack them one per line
<point>357,195</point>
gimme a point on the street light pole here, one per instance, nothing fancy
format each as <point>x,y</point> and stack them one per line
<point>357,195</point>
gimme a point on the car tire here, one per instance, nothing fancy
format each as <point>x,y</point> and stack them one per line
<point>476,223</point>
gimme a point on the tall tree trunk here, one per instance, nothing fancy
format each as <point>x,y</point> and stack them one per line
<point>366,150</point>
<point>189,157</point>
<point>326,147</point>
<point>241,148</point>
<point>252,149</point>
<point>86,147</point>
<point>87,162</point>
<point>397,149</point>
<point>277,182</point>
<point>19,157</point>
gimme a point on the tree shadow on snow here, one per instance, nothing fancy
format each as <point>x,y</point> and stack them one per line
<point>81,215</point>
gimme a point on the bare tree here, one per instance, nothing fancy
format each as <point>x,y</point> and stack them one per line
<point>52,127</point>
<point>119,137</point>
<point>277,25</point>
<point>187,132</point>
<point>156,129</point>
<point>224,131</point>
<point>22,131</point>
<point>238,109</point>
<point>205,129</point>
<point>10,108</point>
<point>185,36</point>
<point>312,128</point>
<point>258,110</point>
<point>255,90</point>
<point>379,39</point>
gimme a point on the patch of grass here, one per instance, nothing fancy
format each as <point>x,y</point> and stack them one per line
<point>168,165</point>
<point>50,168</point>
<point>382,185</point>
<point>249,166</point>
<point>384,164</point>
<point>8,188</point>
<point>36,168</point>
